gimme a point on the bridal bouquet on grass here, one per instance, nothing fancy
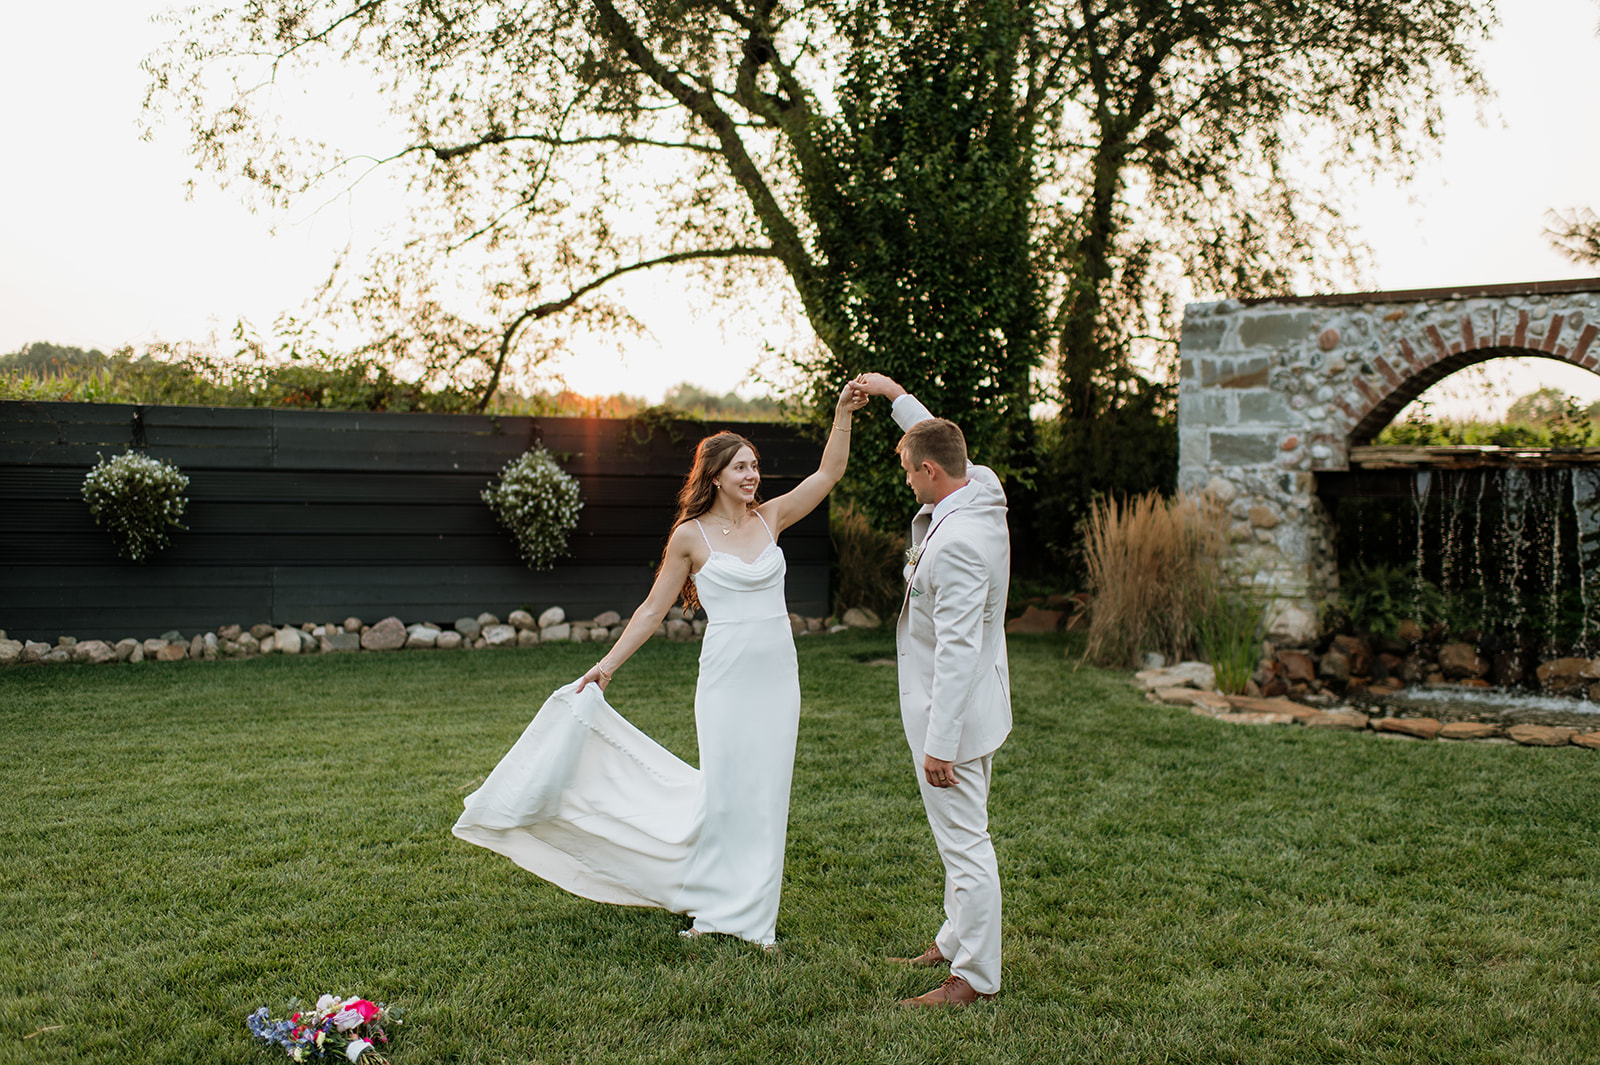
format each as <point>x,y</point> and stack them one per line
<point>349,1026</point>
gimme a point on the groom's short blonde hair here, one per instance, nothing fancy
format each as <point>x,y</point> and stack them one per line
<point>938,441</point>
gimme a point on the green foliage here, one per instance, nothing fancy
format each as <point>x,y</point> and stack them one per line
<point>189,841</point>
<point>137,499</point>
<point>538,502</point>
<point>1543,418</point>
<point>42,356</point>
<point>1577,235</point>
<point>1378,597</point>
<point>1228,633</point>
<point>867,565</point>
<point>705,406</point>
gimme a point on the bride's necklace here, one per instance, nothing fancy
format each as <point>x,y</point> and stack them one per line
<point>730,525</point>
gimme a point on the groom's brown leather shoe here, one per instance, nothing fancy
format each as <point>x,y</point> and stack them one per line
<point>928,959</point>
<point>953,992</point>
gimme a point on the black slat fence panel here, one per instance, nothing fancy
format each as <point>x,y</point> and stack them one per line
<point>299,516</point>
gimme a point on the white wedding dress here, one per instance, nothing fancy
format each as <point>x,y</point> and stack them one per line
<point>590,803</point>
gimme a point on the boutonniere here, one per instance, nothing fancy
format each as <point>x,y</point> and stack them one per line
<point>913,553</point>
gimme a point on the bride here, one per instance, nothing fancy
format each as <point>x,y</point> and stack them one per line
<point>588,802</point>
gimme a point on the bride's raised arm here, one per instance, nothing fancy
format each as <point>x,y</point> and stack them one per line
<point>647,618</point>
<point>803,498</point>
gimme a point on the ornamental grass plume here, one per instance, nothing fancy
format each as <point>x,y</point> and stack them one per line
<point>1155,567</point>
<point>137,499</point>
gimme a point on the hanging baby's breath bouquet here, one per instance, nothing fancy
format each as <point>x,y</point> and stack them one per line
<point>137,499</point>
<point>538,503</point>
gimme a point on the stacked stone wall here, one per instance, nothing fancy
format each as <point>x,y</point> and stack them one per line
<point>1271,392</point>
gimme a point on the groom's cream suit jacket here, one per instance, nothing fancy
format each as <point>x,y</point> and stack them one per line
<point>955,686</point>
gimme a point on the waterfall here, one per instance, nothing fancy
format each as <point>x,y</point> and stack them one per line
<point>1586,505</point>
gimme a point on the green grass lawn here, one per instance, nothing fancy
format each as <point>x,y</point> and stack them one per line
<point>183,843</point>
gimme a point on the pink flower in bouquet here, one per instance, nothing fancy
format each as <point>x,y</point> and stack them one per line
<point>368,1010</point>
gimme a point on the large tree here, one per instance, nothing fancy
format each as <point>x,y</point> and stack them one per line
<point>953,191</point>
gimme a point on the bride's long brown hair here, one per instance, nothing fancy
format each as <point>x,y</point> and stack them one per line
<point>711,456</point>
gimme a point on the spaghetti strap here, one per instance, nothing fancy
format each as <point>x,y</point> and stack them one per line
<point>764,525</point>
<point>703,535</point>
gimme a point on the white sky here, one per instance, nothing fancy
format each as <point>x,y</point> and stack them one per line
<point>99,246</point>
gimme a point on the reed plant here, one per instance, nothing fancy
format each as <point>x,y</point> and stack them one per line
<point>1228,634</point>
<point>1154,567</point>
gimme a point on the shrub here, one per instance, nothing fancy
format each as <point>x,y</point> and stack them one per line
<point>137,499</point>
<point>538,503</point>
<point>1154,566</point>
<point>868,564</point>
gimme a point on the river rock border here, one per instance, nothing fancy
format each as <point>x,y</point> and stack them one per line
<point>483,632</point>
<point>1193,684</point>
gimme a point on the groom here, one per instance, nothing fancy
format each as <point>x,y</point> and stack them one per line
<point>955,689</point>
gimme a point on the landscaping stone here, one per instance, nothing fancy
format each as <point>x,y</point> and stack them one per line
<point>449,640</point>
<point>1256,718</point>
<point>288,640</point>
<point>353,624</point>
<point>57,656</point>
<point>387,635</point>
<point>1468,730</point>
<point>1564,674</point>
<point>172,652</point>
<point>580,633</point>
<point>249,644</point>
<point>528,637</point>
<point>125,649</point>
<point>1034,621</point>
<point>1590,740</point>
<point>497,635</point>
<point>861,618</point>
<point>1333,666</point>
<point>679,631</point>
<point>1542,735</point>
<point>1457,660</point>
<point>152,645</point>
<point>230,632</point>
<point>607,619</point>
<point>260,632</point>
<point>1353,720</point>
<point>10,651</point>
<point>479,644</point>
<point>468,627</point>
<point>797,625</point>
<point>1211,702</point>
<point>1299,667</point>
<point>1183,675</point>
<point>552,616</point>
<point>1357,652</point>
<point>95,652</point>
<point>554,633</point>
<point>269,644</point>
<point>1247,704</point>
<point>422,636</point>
<point>34,651</point>
<point>486,619</point>
<point>521,620</point>
<point>1422,728</point>
<point>197,648</point>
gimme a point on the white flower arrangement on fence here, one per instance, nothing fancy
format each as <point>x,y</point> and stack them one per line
<point>538,502</point>
<point>138,499</point>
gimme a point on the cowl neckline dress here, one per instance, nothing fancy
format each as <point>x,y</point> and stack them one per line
<point>587,801</point>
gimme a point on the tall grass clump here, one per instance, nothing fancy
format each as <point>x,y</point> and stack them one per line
<point>868,564</point>
<point>1154,567</point>
<point>1229,637</point>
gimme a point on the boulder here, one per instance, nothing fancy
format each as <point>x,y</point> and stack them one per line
<point>353,624</point>
<point>555,633</point>
<point>468,628</point>
<point>1563,674</point>
<point>1542,735</point>
<point>449,640</point>
<point>387,635</point>
<point>249,644</point>
<point>288,640</point>
<point>498,635</point>
<point>1422,728</point>
<point>552,616</point>
<point>197,648</point>
<point>57,656</point>
<point>700,626</point>
<point>1034,621</point>
<point>580,633</point>
<point>126,648</point>
<point>521,620</point>
<point>153,646</point>
<point>172,652</point>
<point>1457,660</point>
<point>797,624</point>
<point>527,637</point>
<point>816,624</point>
<point>95,652</point>
<point>1468,730</point>
<point>1333,666</point>
<point>422,636</point>
<point>1183,675</point>
<point>269,644</point>
<point>1408,632</point>
<point>10,652</point>
<point>230,632</point>
<point>1211,702</point>
<point>1590,740</point>
<point>1256,717</point>
<point>861,618</point>
<point>1246,704</point>
<point>34,651</point>
<point>486,619</point>
<point>212,645</point>
<point>1298,666</point>
<point>1357,652</point>
<point>260,632</point>
<point>607,619</point>
<point>679,631</point>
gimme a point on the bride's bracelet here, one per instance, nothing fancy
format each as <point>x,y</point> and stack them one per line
<point>839,428</point>
<point>605,674</point>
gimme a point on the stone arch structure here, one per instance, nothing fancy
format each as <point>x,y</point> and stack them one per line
<point>1273,391</point>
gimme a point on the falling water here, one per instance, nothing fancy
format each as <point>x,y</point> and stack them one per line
<point>1419,497</point>
<point>1513,514</point>
<point>1586,505</point>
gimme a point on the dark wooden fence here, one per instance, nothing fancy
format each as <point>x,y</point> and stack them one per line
<point>299,516</point>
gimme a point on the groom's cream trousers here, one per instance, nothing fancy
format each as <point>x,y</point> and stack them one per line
<point>970,937</point>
